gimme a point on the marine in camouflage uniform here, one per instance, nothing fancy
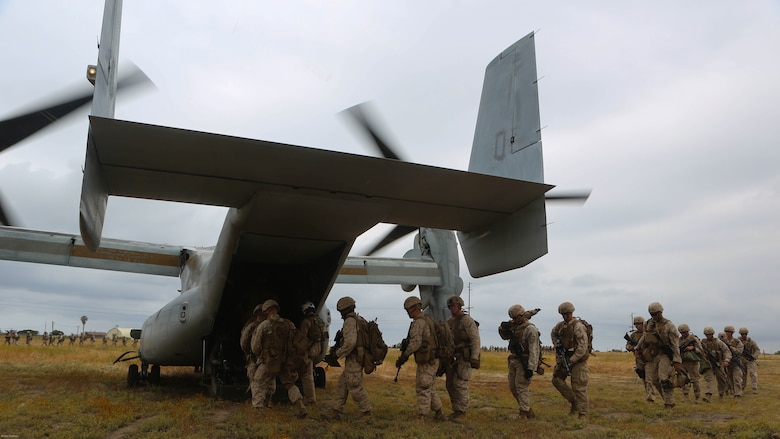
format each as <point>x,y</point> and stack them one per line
<point>734,370</point>
<point>351,379</point>
<point>636,334</point>
<point>660,346</point>
<point>421,343</point>
<point>308,340</point>
<point>259,399</point>
<point>269,367</point>
<point>691,353</point>
<point>749,354</point>
<point>719,356</point>
<point>572,335</point>
<point>524,348</point>
<point>467,349</point>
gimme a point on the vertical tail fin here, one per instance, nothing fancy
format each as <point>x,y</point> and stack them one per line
<point>507,143</point>
<point>94,191</point>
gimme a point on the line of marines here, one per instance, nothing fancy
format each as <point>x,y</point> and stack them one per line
<point>669,357</point>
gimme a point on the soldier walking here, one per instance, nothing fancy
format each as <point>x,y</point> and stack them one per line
<point>734,369</point>
<point>271,343</point>
<point>662,341</point>
<point>308,341</point>
<point>719,356</point>
<point>640,357</point>
<point>259,399</point>
<point>524,348</point>
<point>467,349</point>
<point>570,339</point>
<point>749,354</point>
<point>351,379</point>
<point>422,343</point>
<point>691,354</point>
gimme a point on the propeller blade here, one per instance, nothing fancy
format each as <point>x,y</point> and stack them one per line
<point>6,218</point>
<point>577,197</point>
<point>395,233</point>
<point>14,130</point>
<point>359,115</point>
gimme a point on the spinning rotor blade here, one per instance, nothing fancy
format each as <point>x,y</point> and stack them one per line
<point>5,217</point>
<point>14,130</point>
<point>359,114</point>
<point>395,233</point>
<point>576,197</point>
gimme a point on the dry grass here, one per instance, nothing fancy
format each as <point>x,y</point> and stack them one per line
<point>72,391</point>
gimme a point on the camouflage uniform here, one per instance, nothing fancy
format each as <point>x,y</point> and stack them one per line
<point>573,336</point>
<point>523,361</point>
<point>421,345</point>
<point>467,345</point>
<point>351,379</point>
<point>265,375</point>
<point>692,356</point>
<point>734,370</point>
<point>258,399</point>
<point>749,355</point>
<point>635,336</point>
<point>717,353</point>
<point>308,334</point>
<point>660,338</point>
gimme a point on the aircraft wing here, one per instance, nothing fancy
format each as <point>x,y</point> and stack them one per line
<point>167,260</point>
<point>155,162</point>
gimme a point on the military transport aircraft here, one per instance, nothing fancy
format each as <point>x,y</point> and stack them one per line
<point>294,213</point>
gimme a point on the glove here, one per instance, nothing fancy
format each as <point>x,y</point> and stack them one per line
<point>528,374</point>
<point>400,361</point>
<point>474,363</point>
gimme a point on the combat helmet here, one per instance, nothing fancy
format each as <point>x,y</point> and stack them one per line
<point>455,300</point>
<point>709,330</point>
<point>743,330</point>
<point>655,307</point>
<point>516,310</point>
<point>307,307</point>
<point>411,301</point>
<point>639,319</point>
<point>565,307</point>
<point>684,328</point>
<point>270,303</point>
<point>345,303</point>
<point>728,328</point>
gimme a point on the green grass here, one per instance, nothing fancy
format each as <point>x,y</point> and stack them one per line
<point>75,391</point>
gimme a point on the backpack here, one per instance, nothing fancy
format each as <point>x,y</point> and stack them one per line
<point>374,346</point>
<point>277,343</point>
<point>444,343</point>
<point>589,330</point>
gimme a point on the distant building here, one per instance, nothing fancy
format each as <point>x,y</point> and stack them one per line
<point>119,332</point>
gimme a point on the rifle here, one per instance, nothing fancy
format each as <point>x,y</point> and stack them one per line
<point>630,340</point>
<point>330,359</point>
<point>404,345</point>
<point>665,347</point>
<point>719,370</point>
<point>560,354</point>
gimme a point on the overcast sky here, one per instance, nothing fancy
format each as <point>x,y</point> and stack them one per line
<point>667,110</point>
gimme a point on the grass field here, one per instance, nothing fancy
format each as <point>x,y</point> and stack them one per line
<point>76,392</point>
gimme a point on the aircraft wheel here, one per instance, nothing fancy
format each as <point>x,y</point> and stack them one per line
<point>154,375</point>
<point>133,376</point>
<point>319,377</point>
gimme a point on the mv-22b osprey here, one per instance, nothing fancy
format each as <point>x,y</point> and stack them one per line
<point>294,213</point>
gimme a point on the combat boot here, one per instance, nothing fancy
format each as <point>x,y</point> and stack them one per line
<point>573,409</point>
<point>707,397</point>
<point>522,415</point>
<point>365,415</point>
<point>457,416</point>
<point>302,412</point>
<point>531,414</point>
<point>439,416</point>
<point>331,415</point>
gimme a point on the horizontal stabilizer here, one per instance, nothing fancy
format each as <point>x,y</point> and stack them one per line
<point>507,143</point>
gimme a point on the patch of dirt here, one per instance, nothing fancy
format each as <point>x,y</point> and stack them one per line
<point>128,429</point>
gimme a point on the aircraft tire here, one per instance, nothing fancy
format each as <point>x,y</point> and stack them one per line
<point>133,376</point>
<point>154,375</point>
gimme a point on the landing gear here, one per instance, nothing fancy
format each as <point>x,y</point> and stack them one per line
<point>154,375</point>
<point>133,376</point>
